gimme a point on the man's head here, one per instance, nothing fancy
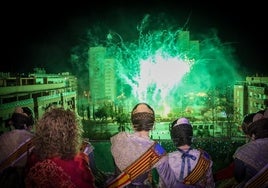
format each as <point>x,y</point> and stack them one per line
<point>142,117</point>
<point>181,132</point>
<point>22,118</point>
<point>248,119</point>
<point>259,127</point>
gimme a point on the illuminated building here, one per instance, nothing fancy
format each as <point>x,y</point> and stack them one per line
<point>102,80</point>
<point>38,91</point>
<point>250,96</point>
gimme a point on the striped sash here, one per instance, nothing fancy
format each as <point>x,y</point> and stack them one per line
<point>260,179</point>
<point>22,150</point>
<point>199,170</point>
<point>140,166</point>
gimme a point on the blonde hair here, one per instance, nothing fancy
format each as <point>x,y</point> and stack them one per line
<point>58,134</point>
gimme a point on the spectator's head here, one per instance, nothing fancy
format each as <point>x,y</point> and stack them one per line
<point>22,118</point>
<point>246,121</point>
<point>259,127</point>
<point>58,133</point>
<point>181,132</point>
<point>142,117</point>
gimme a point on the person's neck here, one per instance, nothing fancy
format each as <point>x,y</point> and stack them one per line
<point>143,134</point>
<point>184,147</point>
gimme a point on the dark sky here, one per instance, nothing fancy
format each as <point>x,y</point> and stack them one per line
<point>42,34</point>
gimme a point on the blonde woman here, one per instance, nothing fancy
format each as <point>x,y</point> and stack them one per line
<point>56,160</point>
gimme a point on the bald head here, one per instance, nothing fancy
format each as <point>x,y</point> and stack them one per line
<point>142,107</point>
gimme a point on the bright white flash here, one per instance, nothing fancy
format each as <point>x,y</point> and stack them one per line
<point>160,75</point>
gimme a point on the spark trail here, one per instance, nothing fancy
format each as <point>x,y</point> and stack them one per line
<point>164,64</point>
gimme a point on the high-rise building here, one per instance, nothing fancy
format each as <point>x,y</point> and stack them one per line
<point>187,48</point>
<point>102,77</point>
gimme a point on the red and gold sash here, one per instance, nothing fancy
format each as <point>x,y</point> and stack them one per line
<point>140,166</point>
<point>199,170</point>
<point>260,179</point>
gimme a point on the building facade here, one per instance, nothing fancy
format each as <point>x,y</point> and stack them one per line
<point>250,96</point>
<point>38,91</point>
<point>102,78</point>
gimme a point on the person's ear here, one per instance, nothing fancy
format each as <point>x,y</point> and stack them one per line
<point>28,127</point>
<point>253,136</point>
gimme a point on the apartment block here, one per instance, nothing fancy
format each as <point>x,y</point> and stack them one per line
<point>102,76</point>
<point>38,91</point>
<point>250,96</point>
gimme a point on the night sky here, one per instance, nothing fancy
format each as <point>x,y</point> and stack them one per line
<point>42,34</point>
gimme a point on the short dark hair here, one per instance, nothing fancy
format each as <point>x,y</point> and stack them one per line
<point>246,121</point>
<point>19,120</point>
<point>181,134</point>
<point>259,125</point>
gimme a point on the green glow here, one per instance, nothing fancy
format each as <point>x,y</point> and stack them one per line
<point>164,73</point>
<point>158,76</point>
<point>164,65</point>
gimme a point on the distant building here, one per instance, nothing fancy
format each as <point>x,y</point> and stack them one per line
<point>102,77</point>
<point>187,48</point>
<point>39,91</point>
<point>250,96</point>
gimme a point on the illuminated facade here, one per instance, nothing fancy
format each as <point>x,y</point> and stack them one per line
<point>38,91</point>
<point>102,80</point>
<point>250,96</point>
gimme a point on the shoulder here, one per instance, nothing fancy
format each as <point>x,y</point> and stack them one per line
<point>21,132</point>
<point>261,141</point>
<point>245,147</point>
<point>5,135</point>
<point>174,153</point>
<point>16,136</point>
<point>10,133</point>
<point>203,153</point>
<point>119,137</point>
